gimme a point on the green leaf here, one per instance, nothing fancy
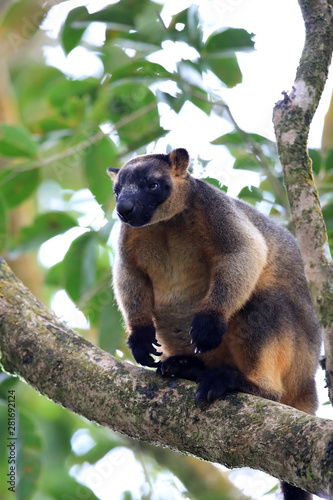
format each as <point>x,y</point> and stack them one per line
<point>328,215</point>
<point>121,13</point>
<point>55,276</point>
<point>219,54</point>
<point>114,58</point>
<point>236,139</point>
<point>230,139</point>
<point>104,442</point>
<point>212,182</point>
<point>175,102</point>
<point>149,26</point>
<point>28,457</point>
<point>103,233</point>
<point>99,156</point>
<point>226,69</point>
<point>21,21</point>
<point>31,82</point>
<point>189,80</point>
<point>216,183</point>
<point>106,318</point>
<point>49,124</point>
<point>266,185</point>
<point>7,383</point>
<point>80,265</point>
<point>124,20</point>
<point>111,334</point>
<point>191,33</point>
<point>17,187</point>
<point>316,160</point>
<point>229,40</point>
<point>250,194</point>
<point>121,101</point>
<point>189,73</point>
<point>247,163</point>
<point>44,227</point>
<point>3,223</point>
<point>75,109</point>
<point>193,94</point>
<point>272,490</point>
<point>61,90</point>
<point>64,487</point>
<point>142,70</point>
<point>16,141</point>
<point>330,240</point>
<point>71,35</point>
<point>329,160</point>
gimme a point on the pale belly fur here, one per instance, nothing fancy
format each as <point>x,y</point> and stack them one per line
<point>179,287</point>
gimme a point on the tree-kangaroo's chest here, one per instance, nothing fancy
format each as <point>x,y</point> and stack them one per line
<point>177,265</point>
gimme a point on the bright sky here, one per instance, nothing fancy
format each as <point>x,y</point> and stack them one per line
<point>267,71</point>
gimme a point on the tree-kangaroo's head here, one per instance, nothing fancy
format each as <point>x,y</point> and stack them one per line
<point>151,188</point>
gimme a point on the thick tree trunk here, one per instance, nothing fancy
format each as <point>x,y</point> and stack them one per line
<point>292,118</point>
<point>241,431</point>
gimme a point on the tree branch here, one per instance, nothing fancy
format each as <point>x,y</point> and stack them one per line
<point>292,117</point>
<point>62,365</point>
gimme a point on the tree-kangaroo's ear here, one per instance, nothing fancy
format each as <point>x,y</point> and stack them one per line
<point>113,172</point>
<point>179,160</point>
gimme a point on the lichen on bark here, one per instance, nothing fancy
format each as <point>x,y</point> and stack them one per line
<point>292,118</point>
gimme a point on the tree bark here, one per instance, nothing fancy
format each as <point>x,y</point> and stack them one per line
<point>242,430</point>
<point>292,117</point>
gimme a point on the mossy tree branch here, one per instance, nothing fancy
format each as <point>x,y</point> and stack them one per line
<point>292,118</point>
<point>240,431</point>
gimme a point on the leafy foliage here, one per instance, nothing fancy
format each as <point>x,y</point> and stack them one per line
<point>60,137</point>
<point>16,141</point>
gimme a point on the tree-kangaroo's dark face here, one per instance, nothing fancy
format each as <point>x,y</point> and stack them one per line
<point>151,188</point>
<point>140,188</point>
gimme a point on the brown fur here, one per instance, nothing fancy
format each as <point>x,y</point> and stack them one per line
<point>203,251</point>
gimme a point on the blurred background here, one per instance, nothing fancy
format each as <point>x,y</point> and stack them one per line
<point>87,85</point>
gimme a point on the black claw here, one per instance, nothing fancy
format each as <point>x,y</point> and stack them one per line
<point>141,342</point>
<point>187,367</point>
<point>159,369</point>
<point>199,400</point>
<point>210,396</point>
<point>207,330</point>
